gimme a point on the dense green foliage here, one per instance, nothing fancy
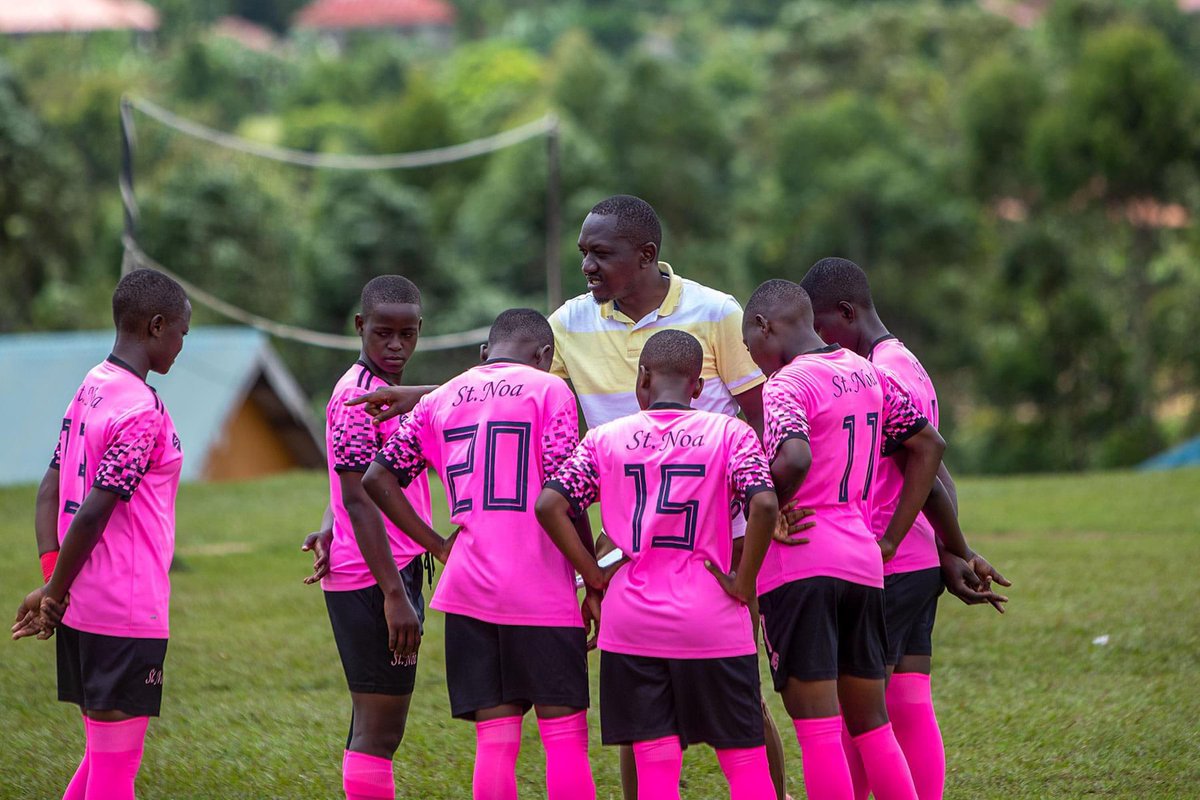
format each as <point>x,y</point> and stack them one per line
<point>255,703</point>
<point>1024,199</point>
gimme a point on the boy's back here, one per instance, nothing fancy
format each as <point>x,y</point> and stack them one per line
<point>494,434</point>
<point>117,435</point>
<point>667,478</point>
<point>851,413</point>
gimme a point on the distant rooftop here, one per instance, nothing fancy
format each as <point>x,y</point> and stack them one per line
<point>346,14</point>
<point>68,16</point>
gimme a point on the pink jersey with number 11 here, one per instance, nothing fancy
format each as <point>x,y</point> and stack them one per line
<point>853,414</point>
<point>669,479</point>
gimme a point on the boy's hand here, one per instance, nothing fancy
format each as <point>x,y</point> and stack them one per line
<point>443,555</point>
<point>404,628</point>
<point>389,401</point>
<point>887,548</point>
<point>728,582</point>
<point>591,616</point>
<point>790,522</point>
<point>986,572</point>
<point>318,543</point>
<point>962,582</point>
<point>51,615</point>
<point>28,619</point>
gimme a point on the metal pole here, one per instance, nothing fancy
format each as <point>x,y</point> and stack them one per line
<point>125,181</point>
<point>554,291</point>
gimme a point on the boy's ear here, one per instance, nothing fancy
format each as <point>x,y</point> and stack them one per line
<point>545,356</point>
<point>358,324</point>
<point>154,327</point>
<point>699,388</point>
<point>420,321</point>
<point>643,378</point>
<point>483,352</point>
<point>847,311</point>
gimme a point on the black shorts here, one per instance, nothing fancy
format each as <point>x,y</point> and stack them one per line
<point>361,632</point>
<point>110,673</point>
<point>909,609</point>
<point>717,701</point>
<point>489,665</point>
<point>816,629</point>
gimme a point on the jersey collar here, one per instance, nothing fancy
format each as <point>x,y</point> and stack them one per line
<point>666,404</point>
<point>112,359</point>
<point>878,342</point>
<point>609,310</point>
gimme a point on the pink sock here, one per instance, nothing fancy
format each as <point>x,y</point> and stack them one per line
<point>747,772</point>
<point>497,744</point>
<point>77,788</point>
<point>659,762</point>
<point>858,773</point>
<point>568,771</point>
<point>367,777</point>
<point>887,771</point>
<point>826,774</point>
<point>910,708</point>
<point>114,753</point>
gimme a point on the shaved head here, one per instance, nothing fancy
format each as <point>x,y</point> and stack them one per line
<point>779,300</point>
<point>673,352</point>
<point>834,280</point>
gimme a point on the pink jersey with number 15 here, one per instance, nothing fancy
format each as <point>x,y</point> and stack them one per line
<point>668,480</point>
<point>852,414</point>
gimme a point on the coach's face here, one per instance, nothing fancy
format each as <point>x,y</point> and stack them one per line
<point>612,264</point>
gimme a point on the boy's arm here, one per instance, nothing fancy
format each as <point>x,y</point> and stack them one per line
<point>404,629</point>
<point>45,515</point>
<point>751,404</point>
<point>948,483</point>
<point>384,489</point>
<point>743,585</point>
<point>318,543</point>
<point>924,452</point>
<point>790,465</point>
<point>939,510</point>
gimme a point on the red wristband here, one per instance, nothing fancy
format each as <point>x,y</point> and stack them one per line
<point>48,561</point>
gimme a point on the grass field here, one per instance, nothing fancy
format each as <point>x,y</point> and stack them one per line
<point>255,703</point>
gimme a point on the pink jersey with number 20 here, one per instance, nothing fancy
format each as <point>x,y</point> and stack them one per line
<point>852,414</point>
<point>494,434</point>
<point>668,480</point>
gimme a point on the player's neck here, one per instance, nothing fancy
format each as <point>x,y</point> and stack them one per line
<point>801,342</point>
<point>871,330</point>
<point>506,351</point>
<point>132,354</point>
<point>646,297</point>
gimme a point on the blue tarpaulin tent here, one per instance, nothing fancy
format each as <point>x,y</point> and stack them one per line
<point>1184,455</point>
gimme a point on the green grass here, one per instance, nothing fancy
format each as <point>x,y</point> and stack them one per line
<point>256,706</point>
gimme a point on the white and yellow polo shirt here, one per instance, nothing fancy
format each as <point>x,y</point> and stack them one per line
<point>597,348</point>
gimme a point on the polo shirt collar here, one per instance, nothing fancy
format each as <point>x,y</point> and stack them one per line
<point>609,310</point>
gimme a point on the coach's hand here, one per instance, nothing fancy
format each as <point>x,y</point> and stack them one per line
<point>28,619</point>
<point>318,544</point>
<point>591,616</point>
<point>404,627</point>
<point>791,522</point>
<point>962,582</point>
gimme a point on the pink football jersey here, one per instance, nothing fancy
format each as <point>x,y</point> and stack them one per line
<point>919,548</point>
<point>668,479</point>
<point>351,442</point>
<point>116,435</point>
<point>852,414</point>
<point>494,434</point>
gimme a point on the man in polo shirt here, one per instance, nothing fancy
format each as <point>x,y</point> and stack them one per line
<point>598,336</point>
<point>598,339</point>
